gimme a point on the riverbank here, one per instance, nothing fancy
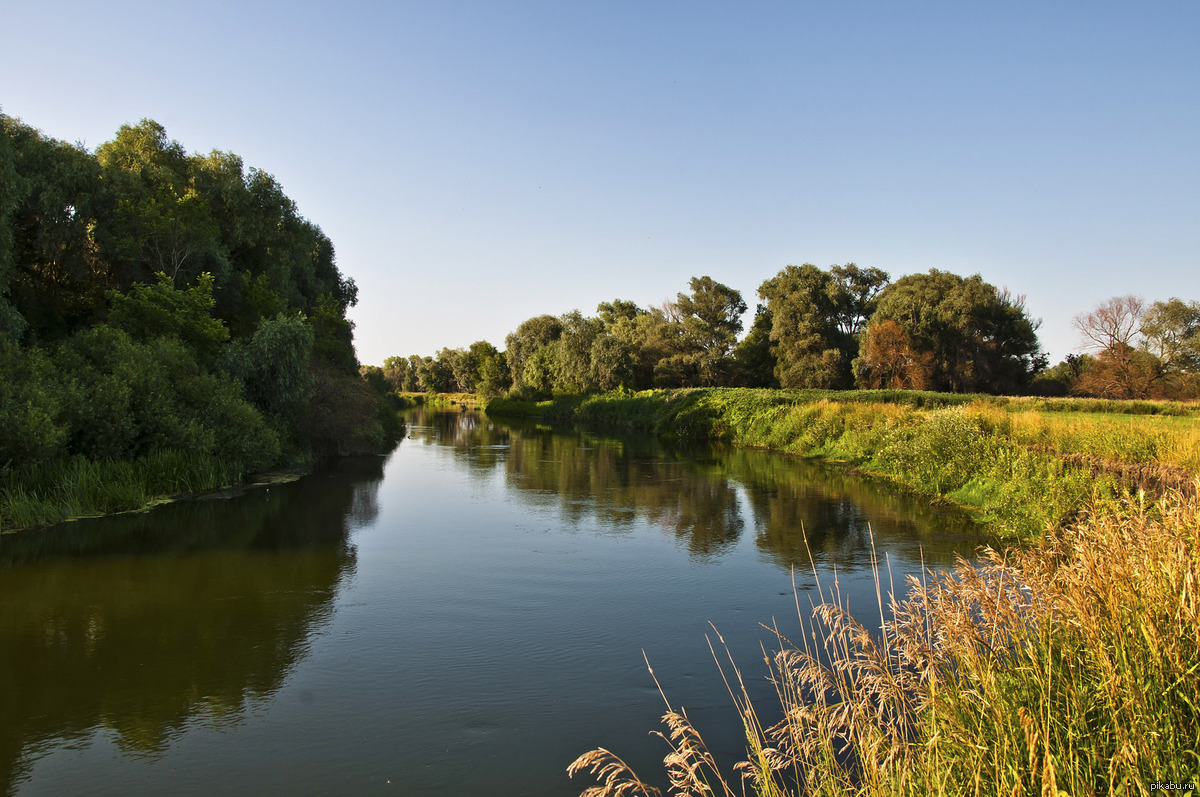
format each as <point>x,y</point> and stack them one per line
<point>404,401</point>
<point>1068,664</point>
<point>1023,466</point>
<point>79,488</point>
<point>75,488</point>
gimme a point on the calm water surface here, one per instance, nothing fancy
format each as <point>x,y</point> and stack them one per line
<point>464,617</point>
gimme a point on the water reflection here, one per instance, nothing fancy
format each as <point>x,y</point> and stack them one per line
<point>489,622</point>
<point>703,495</point>
<point>139,625</point>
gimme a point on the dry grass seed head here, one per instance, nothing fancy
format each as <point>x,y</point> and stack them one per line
<point>618,779</point>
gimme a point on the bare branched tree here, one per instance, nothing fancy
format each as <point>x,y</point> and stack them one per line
<point>1116,329</point>
<point>1114,325</point>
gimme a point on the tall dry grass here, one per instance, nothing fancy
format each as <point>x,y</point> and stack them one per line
<point>1071,667</point>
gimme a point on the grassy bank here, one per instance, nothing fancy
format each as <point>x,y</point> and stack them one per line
<point>404,401</point>
<point>77,487</point>
<point>1025,465</point>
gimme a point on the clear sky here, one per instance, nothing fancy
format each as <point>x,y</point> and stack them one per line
<point>478,163</point>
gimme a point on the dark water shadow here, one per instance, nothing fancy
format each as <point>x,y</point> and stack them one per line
<point>139,625</point>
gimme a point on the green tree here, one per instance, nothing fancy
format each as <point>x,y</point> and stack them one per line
<point>13,190</point>
<point>50,200</point>
<point>640,339</point>
<point>343,417</point>
<point>161,310</point>
<point>855,293</point>
<point>1171,332</point>
<point>662,357</point>
<point>494,378</point>
<point>1063,378</point>
<point>433,376</point>
<point>186,214</point>
<point>573,368</point>
<point>537,377</point>
<point>160,223</point>
<point>616,311</point>
<point>333,334</point>
<point>754,357</point>
<point>273,365</point>
<point>458,364</point>
<point>373,376</point>
<point>811,349</point>
<point>396,373</point>
<point>412,379</point>
<point>817,318</point>
<point>487,368</point>
<point>612,363</point>
<point>178,249</point>
<point>125,398</point>
<point>972,336</point>
<point>531,335</point>
<point>711,316</point>
<point>32,429</point>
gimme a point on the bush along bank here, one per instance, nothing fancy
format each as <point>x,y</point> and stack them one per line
<point>1021,467</point>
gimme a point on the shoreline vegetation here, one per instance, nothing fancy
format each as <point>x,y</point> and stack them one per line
<point>1066,662</point>
<point>1022,466</point>
<point>169,325</point>
<point>78,488</point>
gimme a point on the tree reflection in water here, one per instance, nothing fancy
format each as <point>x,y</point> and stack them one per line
<point>705,495</point>
<point>140,624</point>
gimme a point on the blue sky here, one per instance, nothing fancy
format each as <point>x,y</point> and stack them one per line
<point>479,163</point>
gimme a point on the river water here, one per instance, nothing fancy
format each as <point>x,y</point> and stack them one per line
<point>463,617</point>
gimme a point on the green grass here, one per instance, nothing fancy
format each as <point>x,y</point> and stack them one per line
<point>77,487</point>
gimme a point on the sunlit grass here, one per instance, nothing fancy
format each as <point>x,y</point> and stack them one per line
<point>1068,666</point>
<point>1137,439</point>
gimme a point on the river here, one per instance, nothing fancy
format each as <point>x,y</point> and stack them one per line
<point>463,617</point>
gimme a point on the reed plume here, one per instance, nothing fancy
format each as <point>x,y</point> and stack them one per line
<point>1072,666</point>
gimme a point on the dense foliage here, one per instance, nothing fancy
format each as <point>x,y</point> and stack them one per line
<point>828,329</point>
<point>153,300</point>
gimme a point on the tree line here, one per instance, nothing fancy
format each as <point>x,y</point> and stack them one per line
<point>833,328</point>
<point>837,328</point>
<point>1133,349</point>
<point>153,299</point>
